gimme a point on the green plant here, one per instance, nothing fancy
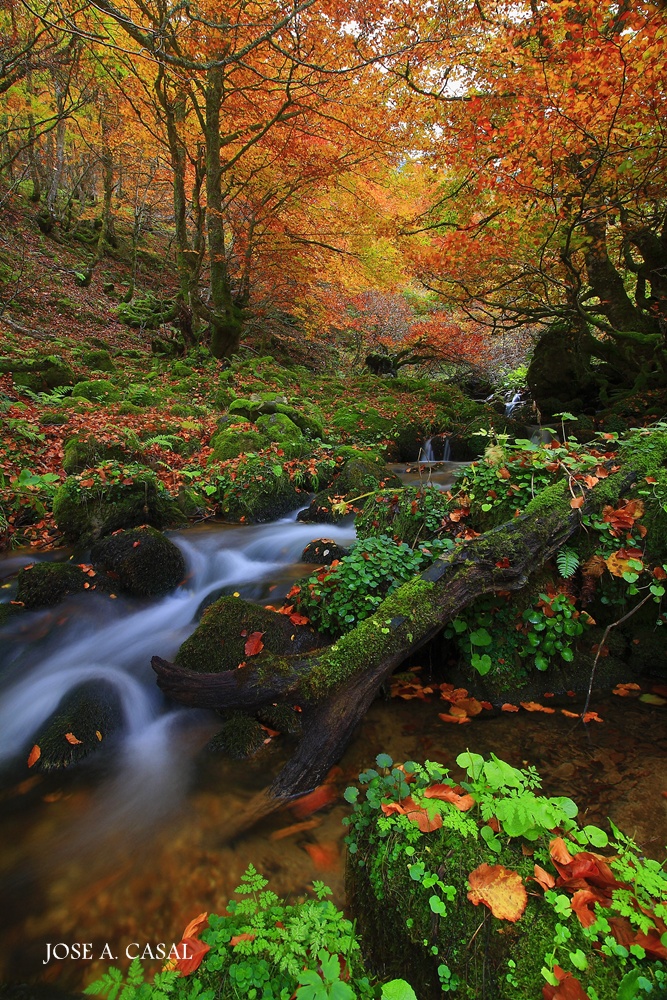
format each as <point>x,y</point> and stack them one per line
<point>347,592</point>
<point>417,836</point>
<point>263,949</point>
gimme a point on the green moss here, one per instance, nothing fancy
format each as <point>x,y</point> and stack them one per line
<point>356,479</point>
<point>240,737</point>
<point>258,495</point>
<point>97,391</point>
<point>90,714</point>
<point>229,443</point>
<point>8,611</point>
<point>85,514</point>
<point>85,450</point>
<point>38,374</point>
<point>555,497</point>
<point>407,610</point>
<point>280,429</point>
<point>99,360</point>
<point>143,561</point>
<point>47,584</point>
<point>218,642</point>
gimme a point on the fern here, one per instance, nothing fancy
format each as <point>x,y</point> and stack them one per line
<point>567,561</point>
<point>24,429</point>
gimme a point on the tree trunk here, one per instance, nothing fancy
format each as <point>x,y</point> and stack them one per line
<point>335,686</point>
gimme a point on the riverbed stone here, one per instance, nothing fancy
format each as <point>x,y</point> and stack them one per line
<point>144,561</point>
<point>218,643</point>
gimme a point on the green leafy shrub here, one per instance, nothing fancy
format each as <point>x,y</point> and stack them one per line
<point>409,514</point>
<point>264,948</point>
<point>345,593</point>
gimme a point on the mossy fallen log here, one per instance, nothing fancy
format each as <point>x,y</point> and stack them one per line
<point>336,685</point>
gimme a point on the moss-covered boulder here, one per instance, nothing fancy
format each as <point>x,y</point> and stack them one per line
<point>408,515</point>
<point>278,428</point>
<point>143,561</point>
<point>82,723</point>
<point>85,450</point>
<point>230,443</point>
<point>348,488</point>
<point>46,584</point>
<point>97,391</point>
<point>241,737</point>
<point>125,497</point>
<point>261,491</point>
<point>38,374</point>
<point>323,552</point>
<point>99,360</point>
<point>311,424</point>
<point>219,641</point>
<point>363,423</point>
<point>491,891</point>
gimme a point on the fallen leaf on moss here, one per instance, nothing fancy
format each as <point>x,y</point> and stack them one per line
<point>544,878</point>
<point>500,889</point>
<point>569,988</point>
<point>71,738</point>
<point>254,644</point>
<point>34,755</point>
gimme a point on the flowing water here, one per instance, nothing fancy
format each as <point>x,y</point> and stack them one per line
<point>129,846</point>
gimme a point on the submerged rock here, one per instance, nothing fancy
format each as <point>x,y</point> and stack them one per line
<point>46,584</point>
<point>83,721</point>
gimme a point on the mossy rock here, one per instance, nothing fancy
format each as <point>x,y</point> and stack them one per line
<point>323,552</point>
<point>8,612</point>
<point>97,391</point>
<point>85,450</point>
<point>180,370</point>
<point>85,719</point>
<point>278,428</point>
<point>218,642</point>
<point>229,443</point>
<point>46,584</point>
<point>267,404</point>
<point>348,452</point>
<point>38,374</point>
<point>363,423</point>
<point>55,418</point>
<point>408,515</point>
<point>100,360</point>
<point>256,499</point>
<point>241,737</point>
<point>143,561</point>
<point>357,478</point>
<point>86,514</point>
<point>476,954</point>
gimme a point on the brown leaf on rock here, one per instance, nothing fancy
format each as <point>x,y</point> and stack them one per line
<point>499,888</point>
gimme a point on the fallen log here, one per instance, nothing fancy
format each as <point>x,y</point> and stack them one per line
<point>336,685</point>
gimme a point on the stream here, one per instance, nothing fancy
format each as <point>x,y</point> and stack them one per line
<point>129,846</point>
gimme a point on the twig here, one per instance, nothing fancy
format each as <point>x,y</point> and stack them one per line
<point>601,646</point>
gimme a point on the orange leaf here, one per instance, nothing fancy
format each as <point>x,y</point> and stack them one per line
<point>534,706</point>
<point>509,708</point>
<point>299,619</point>
<point>499,888</point>
<point>194,951</point>
<point>453,718</point>
<point>322,796</point>
<point>196,926</point>
<point>570,715</point>
<point>469,705</point>
<point>34,755</point>
<point>559,852</point>
<point>421,818</point>
<point>242,937</point>
<point>254,644</point>
<point>325,856</point>
<point>625,690</point>
<point>544,878</point>
<point>591,717</point>
<point>289,831</point>
<point>445,793</point>
<point>71,738</point>
<point>569,988</point>
<point>577,502</point>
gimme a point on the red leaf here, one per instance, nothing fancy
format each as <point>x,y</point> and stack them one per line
<point>194,951</point>
<point>448,794</point>
<point>322,796</point>
<point>577,502</point>
<point>254,644</point>
<point>299,619</point>
<point>34,755</point>
<point>242,937</point>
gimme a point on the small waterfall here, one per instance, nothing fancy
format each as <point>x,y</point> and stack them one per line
<point>513,404</point>
<point>426,454</point>
<point>447,451</point>
<point>437,442</point>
